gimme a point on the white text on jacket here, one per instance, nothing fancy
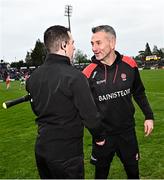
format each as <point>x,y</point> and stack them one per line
<point>114,95</point>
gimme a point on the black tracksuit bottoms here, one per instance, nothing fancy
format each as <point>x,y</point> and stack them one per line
<point>72,168</point>
<point>125,145</point>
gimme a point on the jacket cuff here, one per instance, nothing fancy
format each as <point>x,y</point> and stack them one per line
<point>149,116</point>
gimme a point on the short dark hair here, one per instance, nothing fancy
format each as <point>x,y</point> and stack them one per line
<point>54,36</point>
<point>104,28</point>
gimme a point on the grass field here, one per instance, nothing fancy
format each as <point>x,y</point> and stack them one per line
<point>18,131</point>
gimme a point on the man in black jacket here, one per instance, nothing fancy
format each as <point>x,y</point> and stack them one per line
<point>62,102</point>
<point>114,79</point>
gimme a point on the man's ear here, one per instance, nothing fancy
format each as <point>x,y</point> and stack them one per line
<point>63,45</point>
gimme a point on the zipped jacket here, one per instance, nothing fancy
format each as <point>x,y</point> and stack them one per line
<point>113,88</point>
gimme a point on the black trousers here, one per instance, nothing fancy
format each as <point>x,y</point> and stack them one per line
<point>125,146</point>
<point>72,168</point>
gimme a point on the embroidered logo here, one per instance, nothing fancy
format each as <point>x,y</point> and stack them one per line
<point>101,81</point>
<point>123,77</point>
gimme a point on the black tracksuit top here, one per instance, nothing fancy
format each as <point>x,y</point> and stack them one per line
<point>62,102</point>
<point>113,87</point>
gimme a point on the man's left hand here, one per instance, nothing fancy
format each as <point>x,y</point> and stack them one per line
<point>149,125</point>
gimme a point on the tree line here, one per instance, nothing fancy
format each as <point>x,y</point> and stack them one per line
<point>36,56</point>
<point>147,52</point>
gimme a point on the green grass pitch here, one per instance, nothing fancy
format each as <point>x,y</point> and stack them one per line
<point>18,132</point>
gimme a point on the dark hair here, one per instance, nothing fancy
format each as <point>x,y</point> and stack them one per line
<point>54,36</point>
<point>104,28</point>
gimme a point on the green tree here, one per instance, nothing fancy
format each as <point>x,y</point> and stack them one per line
<point>18,64</point>
<point>28,59</point>
<point>38,54</point>
<point>141,55</point>
<point>138,60</point>
<point>80,57</point>
<point>161,53</point>
<point>155,50</point>
<point>158,52</point>
<point>147,50</point>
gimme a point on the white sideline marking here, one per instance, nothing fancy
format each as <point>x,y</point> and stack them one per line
<point>160,93</point>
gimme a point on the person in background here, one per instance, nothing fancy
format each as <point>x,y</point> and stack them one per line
<point>8,81</point>
<point>23,80</point>
<point>63,104</point>
<point>114,79</point>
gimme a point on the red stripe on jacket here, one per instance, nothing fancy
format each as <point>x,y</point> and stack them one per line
<point>129,61</point>
<point>89,69</point>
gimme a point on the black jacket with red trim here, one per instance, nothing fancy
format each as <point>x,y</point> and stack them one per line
<point>113,87</point>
